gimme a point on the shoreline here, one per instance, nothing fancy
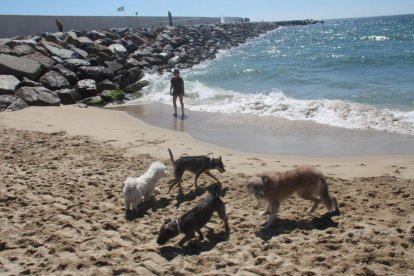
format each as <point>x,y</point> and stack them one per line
<point>137,137</point>
<point>271,135</point>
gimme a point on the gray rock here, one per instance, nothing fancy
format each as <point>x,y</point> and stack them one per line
<point>86,88</point>
<point>94,35</point>
<point>23,50</point>
<point>69,75</point>
<point>107,85</point>
<point>69,96</point>
<point>11,103</point>
<point>46,62</point>
<point>38,96</point>
<point>82,53</point>
<point>136,87</point>
<point>62,53</point>
<point>131,63</point>
<point>19,67</point>
<point>54,81</point>
<point>5,50</point>
<point>127,77</point>
<point>17,105</point>
<point>117,48</point>
<point>8,84</point>
<point>27,82</point>
<point>73,64</point>
<point>114,66</point>
<point>97,73</point>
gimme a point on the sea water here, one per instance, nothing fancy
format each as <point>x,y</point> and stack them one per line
<point>348,73</point>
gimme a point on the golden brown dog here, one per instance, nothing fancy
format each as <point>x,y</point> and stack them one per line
<point>306,181</point>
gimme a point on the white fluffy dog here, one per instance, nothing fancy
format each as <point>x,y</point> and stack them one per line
<point>141,188</point>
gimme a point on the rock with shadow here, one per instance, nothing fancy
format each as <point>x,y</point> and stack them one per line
<point>195,247</point>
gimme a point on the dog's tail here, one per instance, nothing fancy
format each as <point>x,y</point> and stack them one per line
<point>172,157</point>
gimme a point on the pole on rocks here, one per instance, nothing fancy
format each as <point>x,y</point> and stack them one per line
<point>136,13</point>
<point>170,18</point>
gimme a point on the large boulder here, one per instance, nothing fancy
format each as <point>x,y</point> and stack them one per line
<point>75,63</point>
<point>107,85</point>
<point>136,87</point>
<point>127,77</point>
<point>97,73</point>
<point>54,81</point>
<point>22,50</point>
<point>19,67</point>
<point>46,62</point>
<point>69,75</point>
<point>11,103</point>
<point>8,84</point>
<point>62,53</point>
<point>86,88</point>
<point>118,48</point>
<point>38,96</point>
<point>69,96</point>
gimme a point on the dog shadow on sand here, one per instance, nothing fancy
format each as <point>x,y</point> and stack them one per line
<point>195,247</point>
<point>181,198</point>
<point>144,207</point>
<point>285,226</point>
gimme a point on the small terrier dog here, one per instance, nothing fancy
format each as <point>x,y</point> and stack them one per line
<point>305,181</point>
<point>137,189</point>
<point>196,165</point>
<point>195,219</point>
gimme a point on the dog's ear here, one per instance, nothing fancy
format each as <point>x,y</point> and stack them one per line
<point>168,220</point>
<point>220,157</point>
<point>265,181</point>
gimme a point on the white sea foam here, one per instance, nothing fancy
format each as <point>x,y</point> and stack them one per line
<point>330,112</point>
<point>375,37</point>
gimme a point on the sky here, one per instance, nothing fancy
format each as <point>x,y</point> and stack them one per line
<point>256,10</point>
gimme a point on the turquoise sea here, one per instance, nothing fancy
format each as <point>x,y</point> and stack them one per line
<point>349,73</point>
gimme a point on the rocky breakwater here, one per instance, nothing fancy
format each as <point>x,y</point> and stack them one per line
<point>98,67</point>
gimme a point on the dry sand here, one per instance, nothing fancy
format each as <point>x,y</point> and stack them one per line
<point>61,209</point>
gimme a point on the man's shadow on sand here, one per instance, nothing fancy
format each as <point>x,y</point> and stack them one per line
<point>285,226</point>
<point>195,247</point>
<point>144,207</point>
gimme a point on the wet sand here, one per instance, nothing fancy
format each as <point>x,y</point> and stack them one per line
<point>61,208</point>
<point>269,135</point>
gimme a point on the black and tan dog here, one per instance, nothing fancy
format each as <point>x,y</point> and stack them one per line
<point>196,218</point>
<point>196,165</point>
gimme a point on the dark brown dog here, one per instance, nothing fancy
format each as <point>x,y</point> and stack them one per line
<point>196,165</point>
<point>307,182</point>
<point>195,219</point>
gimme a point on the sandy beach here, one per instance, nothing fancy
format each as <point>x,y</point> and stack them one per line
<point>62,171</point>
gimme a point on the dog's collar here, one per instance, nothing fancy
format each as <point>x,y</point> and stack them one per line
<point>178,226</point>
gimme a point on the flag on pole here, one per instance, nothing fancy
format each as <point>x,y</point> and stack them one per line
<point>121,8</point>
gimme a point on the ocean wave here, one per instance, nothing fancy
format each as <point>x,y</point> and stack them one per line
<point>276,104</point>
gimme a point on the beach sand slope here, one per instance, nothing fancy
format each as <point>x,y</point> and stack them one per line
<point>61,212</point>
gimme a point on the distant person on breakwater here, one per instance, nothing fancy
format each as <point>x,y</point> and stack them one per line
<point>59,25</point>
<point>177,90</point>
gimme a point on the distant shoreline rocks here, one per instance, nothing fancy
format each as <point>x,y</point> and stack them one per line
<point>98,67</point>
